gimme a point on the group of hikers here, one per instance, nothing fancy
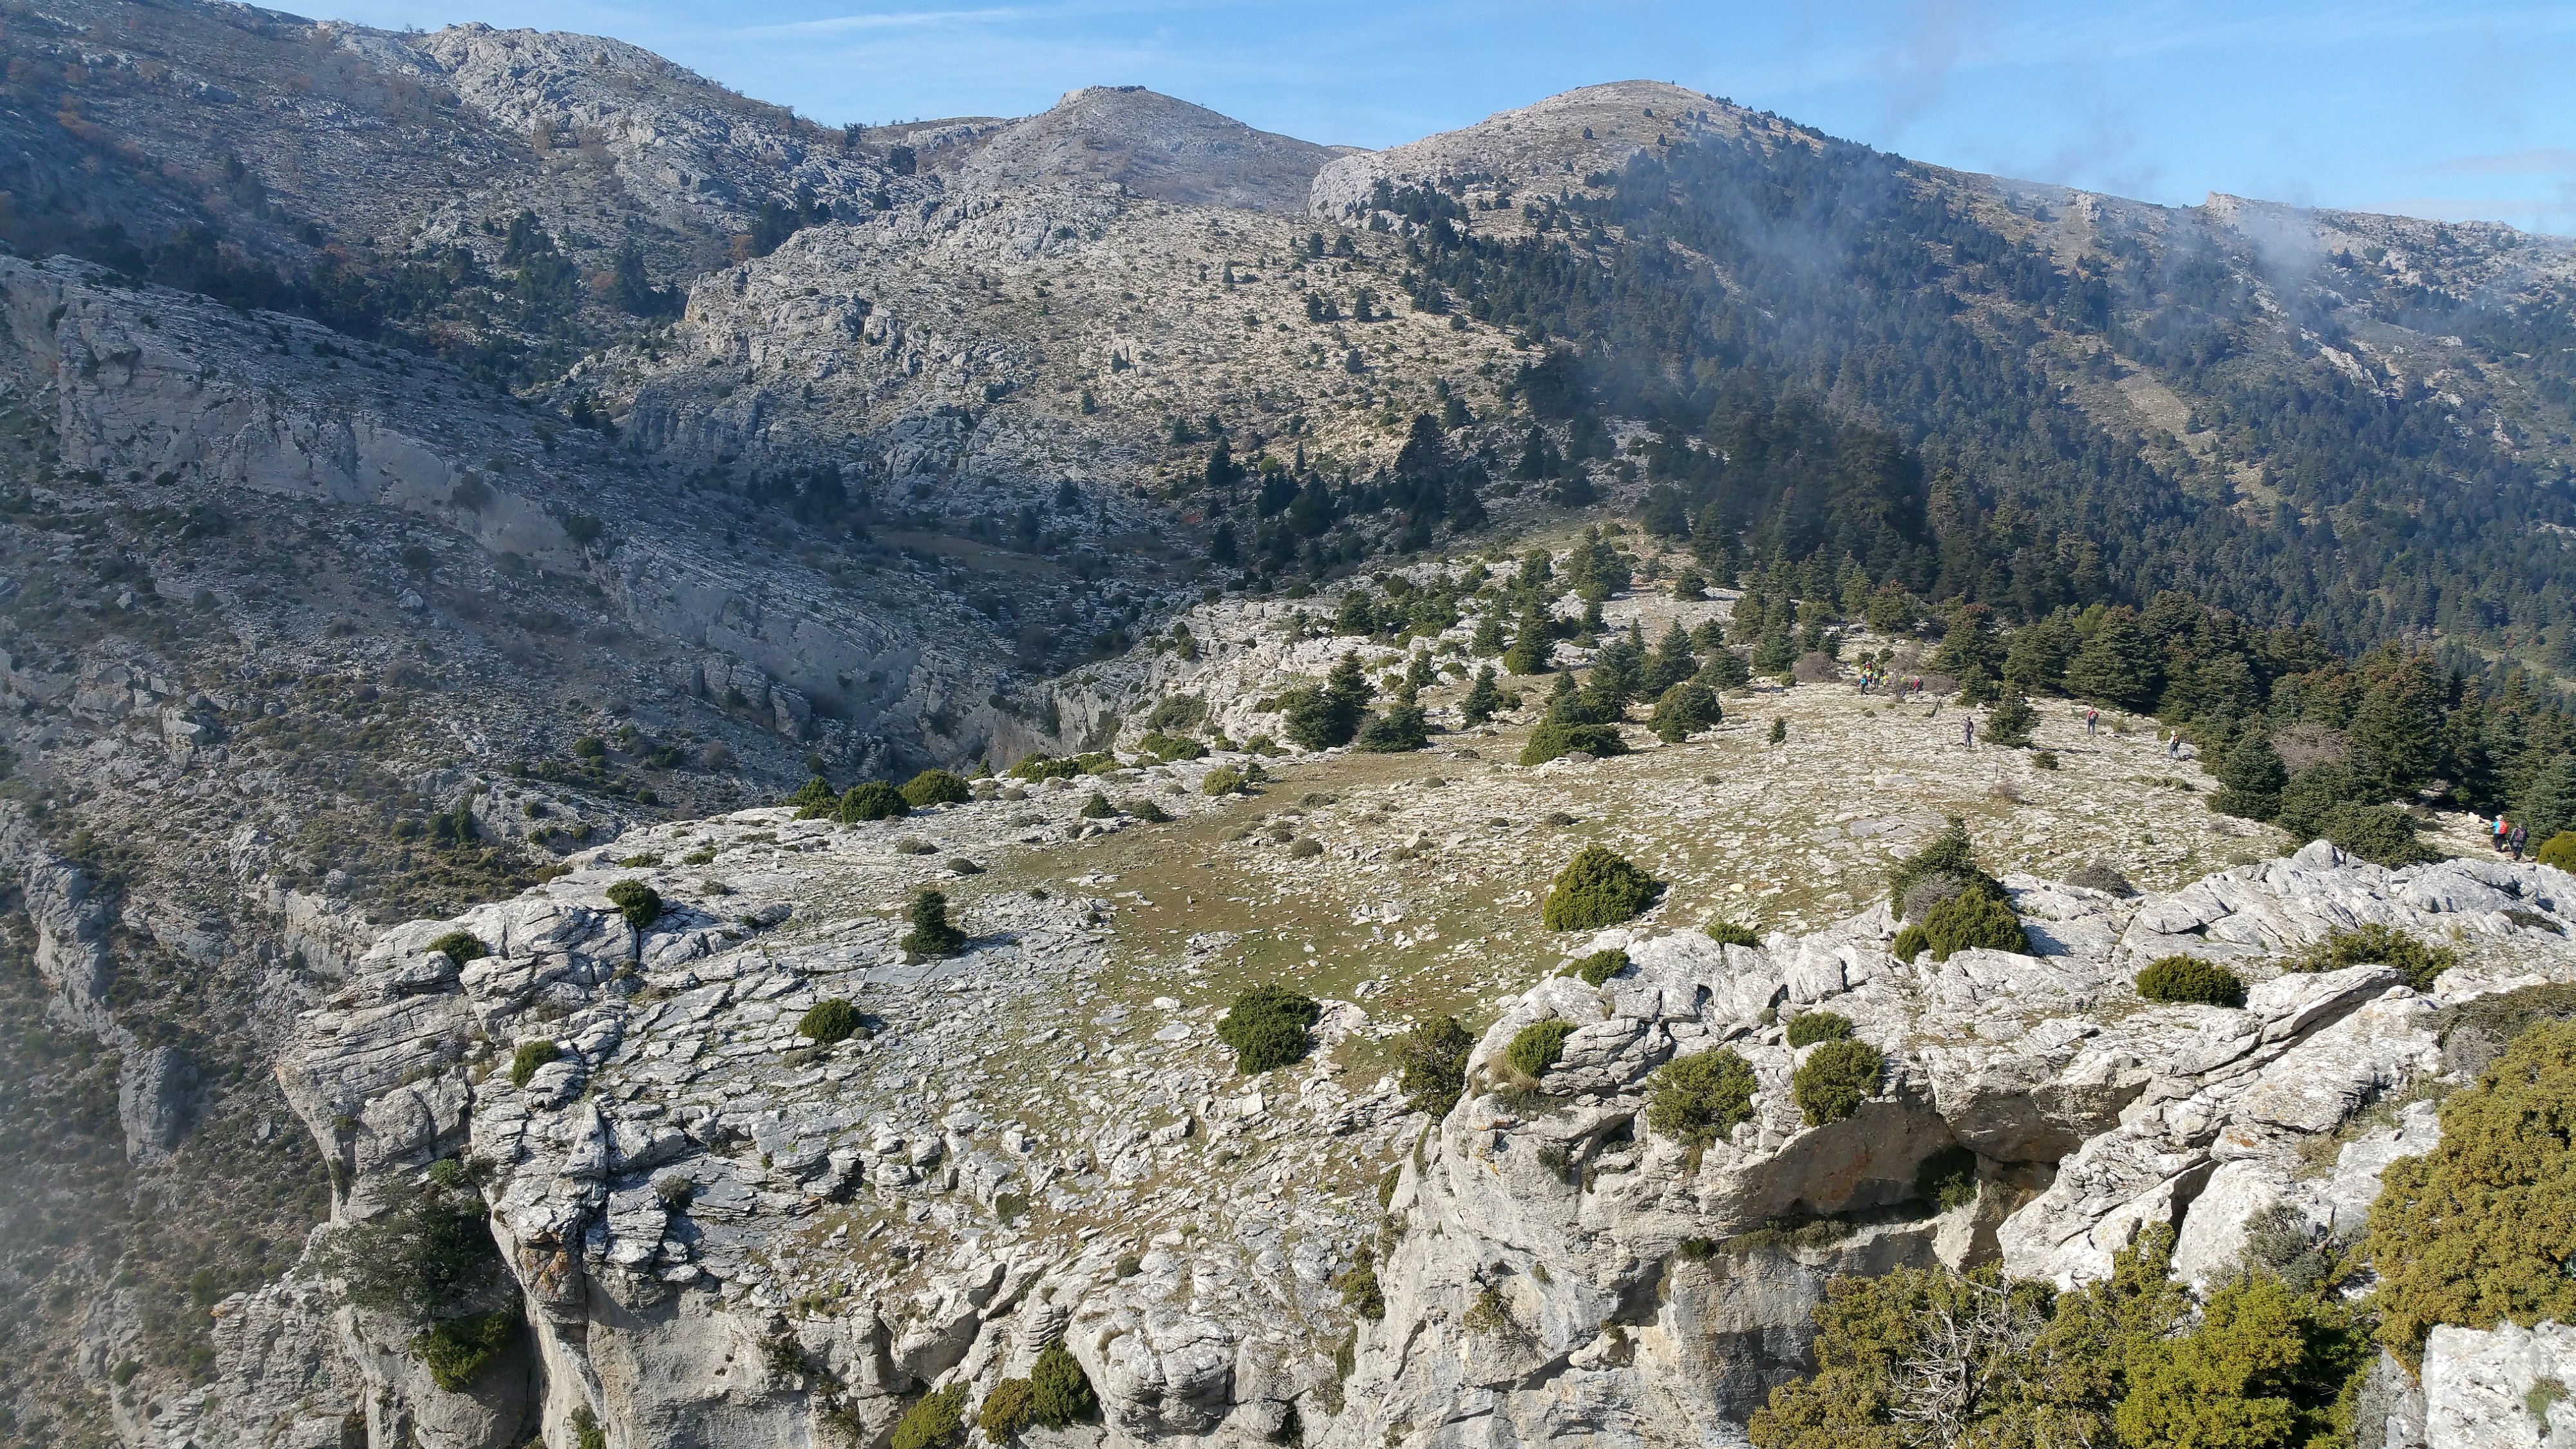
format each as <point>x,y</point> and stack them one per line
<point>2510,837</point>
<point>1883,680</point>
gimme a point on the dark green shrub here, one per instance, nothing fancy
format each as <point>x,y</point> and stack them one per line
<point>456,1352</point>
<point>1949,853</point>
<point>1177,712</point>
<point>1435,1064</point>
<point>1727,933</point>
<point>1399,730</point>
<point>1045,767</point>
<point>461,947</point>
<point>1835,1079</point>
<point>872,800</point>
<point>1146,810</point>
<point>1973,918</point>
<point>639,903</point>
<point>1556,741</point>
<point>2375,944</point>
<point>1948,1178</point>
<point>1098,807</point>
<point>1268,1028</point>
<point>1909,943</point>
<point>1059,1392</point>
<point>2560,851</point>
<point>932,934</point>
<point>426,1255</point>
<point>1684,710</point>
<point>2315,793</point>
<point>1779,730</point>
<point>936,787</point>
<point>586,1433</point>
<point>2381,834</point>
<point>1484,697</point>
<point>1359,1286</point>
<point>1164,748</point>
<point>1699,1099</point>
<point>2250,778</point>
<point>831,1020</point>
<point>1600,966</point>
<point>530,1056</point>
<point>2190,979</point>
<point>1006,1409</point>
<point>2475,1232</point>
<point>814,799</point>
<point>938,1421</point>
<point>1810,1027</point>
<point>1597,888</point>
<point>1536,1047</point>
<point>1223,780</point>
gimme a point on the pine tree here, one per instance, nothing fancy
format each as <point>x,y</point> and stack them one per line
<point>2252,776</point>
<point>1670,664</point>
<point>2397,732</point>
<point>1537,640</point>
<point>1483,698</point>
<point>1488,640</point>
<point>2010,722</point>
<point>2117,666</point>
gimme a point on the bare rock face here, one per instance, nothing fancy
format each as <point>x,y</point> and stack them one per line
<point>1562,1268</point>
<point>1152,145</point>
<point>2502,1388</point>
<point>722,1233</point>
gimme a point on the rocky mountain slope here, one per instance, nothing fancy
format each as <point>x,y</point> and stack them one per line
<point>722,1231</point>
<point>433,460</point>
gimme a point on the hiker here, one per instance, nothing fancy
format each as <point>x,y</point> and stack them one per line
<point>2503,830</point>
<point>1968,731</point>
<point>2173,745</point>
<point>2521,834</point>
<point>2092,721</point>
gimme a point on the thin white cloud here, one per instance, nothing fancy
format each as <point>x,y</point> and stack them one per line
<point>2550,161</point>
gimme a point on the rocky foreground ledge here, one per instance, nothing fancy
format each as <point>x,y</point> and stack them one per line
<point>722,1235</point>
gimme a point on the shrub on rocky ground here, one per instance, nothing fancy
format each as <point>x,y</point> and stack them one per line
<point>827,1021</point>
<point>872,800</point>
<point>1727,933</point>
<point>2475,1232</point>
<point>1698,1099</point>
<point>1600,966</point>
<point>1223,780</point>
<point>2375,944</point>
<point>1005,1411</point>
<point>1555,741</point>
<point>1597,888</point>
<point>1435,1063</point>
<point>1269,1027</point>
<point>1835,1079</point>
<point>1909,943</point>
<point>1060,1393</point>
<point>1973,919</point>
<point>2190,979</point>
<point>814,799</point>
<point>932,934</point>
<point>1947,1179</point>
<point>2559,851</point>
<point>1398,730</point>
<point>936,1421</point>
<point>1359,1286</point>
<point>1810,1027</point>
<point>457,1351</point>
<point>1144,808</point>
<point>2099,876</point>
<point>2381,834</point>
<point>1161,747</point>
<point>936,787</point>
<point>639,903</point>
<point>1684,710</point>
<point>1536,1047</point>
<point>530,1056</point>
<point>1098,807</point>
<point>1949,853</point>
<point>2478,1030</point>
<point>461,947</point>
<point>427,1255</point>
<point>1177,712</point>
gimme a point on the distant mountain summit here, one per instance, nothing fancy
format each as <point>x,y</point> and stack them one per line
<point>1153,145</point>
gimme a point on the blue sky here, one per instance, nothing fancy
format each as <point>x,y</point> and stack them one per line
<point>2464,110</point>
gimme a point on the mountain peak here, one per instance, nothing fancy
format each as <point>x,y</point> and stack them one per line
<point>1154,145</point>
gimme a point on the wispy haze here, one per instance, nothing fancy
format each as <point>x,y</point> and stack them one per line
<point>2462,110</point>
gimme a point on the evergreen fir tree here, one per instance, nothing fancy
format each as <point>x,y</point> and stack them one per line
<point>2252,776</point>
<point>1483,698</point>
<point>2117,666</point>
<point>1537,639</point>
